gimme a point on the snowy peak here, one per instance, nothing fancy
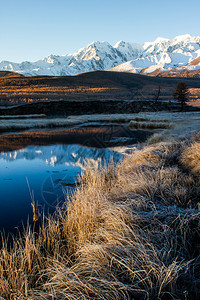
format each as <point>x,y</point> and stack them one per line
<point>95,56</point>
<point>159,45</point>
<point>162,54</point>
<point>183,38</point>
<point>107,55</point>
<point>95,50</point>
<point>180,44</point>
<point>129,50</point>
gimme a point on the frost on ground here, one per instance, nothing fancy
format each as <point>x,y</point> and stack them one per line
<point>23,124</point>
<point>173,123</point>
<point>35,116</point>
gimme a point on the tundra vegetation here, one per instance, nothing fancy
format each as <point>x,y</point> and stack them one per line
<point>130,231</point>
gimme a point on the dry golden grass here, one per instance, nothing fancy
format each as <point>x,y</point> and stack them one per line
<point>150,125</point>
<point>92,85</point>
<point>191,157</point>
<point>45,88</point>
<point>129,232</point>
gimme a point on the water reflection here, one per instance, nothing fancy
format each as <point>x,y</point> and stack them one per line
<point>49,171</point>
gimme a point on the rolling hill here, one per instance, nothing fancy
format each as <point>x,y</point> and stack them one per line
<point>97,85</point>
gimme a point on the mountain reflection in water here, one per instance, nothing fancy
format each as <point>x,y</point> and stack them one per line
<point>50,171</point>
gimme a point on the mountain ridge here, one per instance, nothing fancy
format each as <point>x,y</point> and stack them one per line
<point>161,55</point>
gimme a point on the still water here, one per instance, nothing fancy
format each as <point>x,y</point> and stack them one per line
<point>47,172</point>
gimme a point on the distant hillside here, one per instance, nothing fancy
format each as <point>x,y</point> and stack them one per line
<point>90,86</point>
<point>9,74</point>
<point>178,72</point>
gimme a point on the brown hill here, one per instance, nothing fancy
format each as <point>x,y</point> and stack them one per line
<point>9,74</point>
<point>180,72</point>
<point>87,86</point>
<point>177,72</point>
<point>157,72</point>
<point>195,62</point>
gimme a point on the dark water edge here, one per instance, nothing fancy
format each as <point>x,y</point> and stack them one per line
<point>81,107</point>
<point>90,136</point>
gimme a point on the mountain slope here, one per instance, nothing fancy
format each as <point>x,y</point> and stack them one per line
<point>151,58</point>
<point>164,55</point>
<point>96,56</point>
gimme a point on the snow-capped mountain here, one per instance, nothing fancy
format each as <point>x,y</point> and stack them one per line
<point>164,55</point>
<point>96,56</point>
<point>161,55</point>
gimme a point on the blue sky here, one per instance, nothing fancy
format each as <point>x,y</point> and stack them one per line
<point>30,30</point>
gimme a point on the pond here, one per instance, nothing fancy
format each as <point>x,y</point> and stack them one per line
<point>49,172</point>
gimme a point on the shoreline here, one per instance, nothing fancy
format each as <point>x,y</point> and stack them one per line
<point>98,137</point>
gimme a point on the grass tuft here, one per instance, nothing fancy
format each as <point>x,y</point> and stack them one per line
<point>150,124</point>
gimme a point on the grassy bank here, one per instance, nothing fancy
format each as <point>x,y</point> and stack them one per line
<point>131,232</point>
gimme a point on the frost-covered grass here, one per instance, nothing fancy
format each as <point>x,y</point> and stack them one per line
<point>177,123</point>
<point>150,125</point>
<point>24,124</point>
<point>6,117</point>
<point>129,232</point>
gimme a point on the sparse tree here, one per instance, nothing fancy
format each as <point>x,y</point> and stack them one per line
<point>181,93</point>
